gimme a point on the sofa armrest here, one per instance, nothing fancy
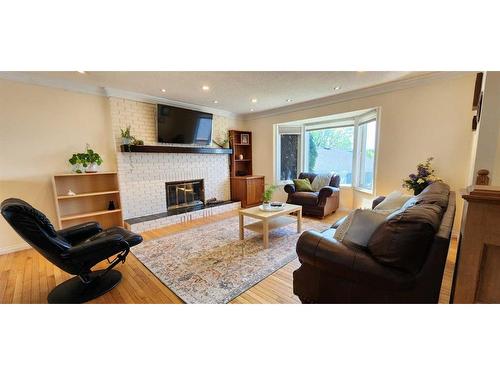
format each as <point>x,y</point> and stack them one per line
<point>339,222</point>
<point>97,250</point>
<point>321,252</point>
<point>80,232</point>
<point>326,192</point>
<point>331,256</point>
<point>377,201</point>
<point>290,188</point>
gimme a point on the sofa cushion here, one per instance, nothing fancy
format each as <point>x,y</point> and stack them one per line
<point>321,180</point>
<point>305,198</point>
<point>403,240</point>
<point>358,227</point>
<point>436,193</point>
<point>302,185</point>
<point>393,201</point>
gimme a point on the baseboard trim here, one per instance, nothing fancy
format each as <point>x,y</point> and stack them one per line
<point>13,248</point>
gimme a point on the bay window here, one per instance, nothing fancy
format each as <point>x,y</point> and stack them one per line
<point>342,144</point>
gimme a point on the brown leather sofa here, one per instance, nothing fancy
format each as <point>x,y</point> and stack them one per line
<point>403,262</point>
<point>320,203</point>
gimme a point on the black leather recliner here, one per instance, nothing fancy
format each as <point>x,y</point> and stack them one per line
<point>75,250</point>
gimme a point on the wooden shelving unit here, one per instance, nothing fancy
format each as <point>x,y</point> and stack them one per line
<point>245,187</point>
<point>93,192</point>
<point>240,167</point>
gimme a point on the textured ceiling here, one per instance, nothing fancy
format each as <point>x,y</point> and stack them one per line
<point>233,91</point>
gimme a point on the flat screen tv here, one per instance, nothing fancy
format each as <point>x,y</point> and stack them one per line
<point>183,126</point>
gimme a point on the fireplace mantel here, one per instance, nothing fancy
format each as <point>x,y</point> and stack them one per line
<point>175,149</point>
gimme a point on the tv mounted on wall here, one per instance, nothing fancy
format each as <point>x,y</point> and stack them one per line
<point>183,126</point>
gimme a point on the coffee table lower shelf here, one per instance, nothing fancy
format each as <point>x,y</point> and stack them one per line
<point>273,224</point>
<point>269,220</point>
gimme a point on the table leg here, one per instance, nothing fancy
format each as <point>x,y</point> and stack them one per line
<point>242,229</point>
<point>299,221</point>
<point>265,233</point>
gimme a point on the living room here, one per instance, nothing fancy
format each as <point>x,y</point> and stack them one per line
<point>134,176</point>
<point>310,189</point>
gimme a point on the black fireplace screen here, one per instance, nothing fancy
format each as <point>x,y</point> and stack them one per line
<point>184,193</point>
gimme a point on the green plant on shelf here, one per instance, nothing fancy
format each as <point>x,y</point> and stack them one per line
<point>86,159</point>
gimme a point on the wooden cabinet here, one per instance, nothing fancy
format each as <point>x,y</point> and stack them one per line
<point>241,159</point>
<point>245,187</point>
<point>476,278</point>
<point>248,190</point>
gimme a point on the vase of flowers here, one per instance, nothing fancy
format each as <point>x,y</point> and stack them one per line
<point>423,178</point>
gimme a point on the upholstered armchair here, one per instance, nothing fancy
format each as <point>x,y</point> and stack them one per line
<point>76,250</point>
<point>319,203</point>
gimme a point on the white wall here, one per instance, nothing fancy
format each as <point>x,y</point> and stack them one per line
<point>431,119</point>
<point>487,141</point>
<point>40,128</point>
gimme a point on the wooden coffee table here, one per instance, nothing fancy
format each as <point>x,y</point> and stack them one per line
<point>269,220</point>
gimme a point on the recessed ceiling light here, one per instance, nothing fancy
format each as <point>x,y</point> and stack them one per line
<point>337,88</point>
<point>251,109</point>
<point>254,100</point>
<point>81,71</point>
<point>163,90</point>
<point>216,101</point>
<point>205,88</point>
<point>289,100</point>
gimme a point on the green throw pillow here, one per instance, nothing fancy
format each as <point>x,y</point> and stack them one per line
<point>302,185</point>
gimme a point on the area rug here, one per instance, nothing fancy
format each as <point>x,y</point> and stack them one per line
<point>209,264</point>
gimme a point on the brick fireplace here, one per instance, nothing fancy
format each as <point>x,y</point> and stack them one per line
<point>142,176</point>
<point>182,194</point>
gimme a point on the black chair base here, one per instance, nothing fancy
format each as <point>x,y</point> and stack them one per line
<point>75,291</point>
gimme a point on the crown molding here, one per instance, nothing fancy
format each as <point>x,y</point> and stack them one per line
<point>26,77</point>
<point>356,94</point>
<point>57,83</point>
<point>144,98</point>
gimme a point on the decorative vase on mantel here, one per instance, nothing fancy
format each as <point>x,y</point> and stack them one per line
<point>127,141</point>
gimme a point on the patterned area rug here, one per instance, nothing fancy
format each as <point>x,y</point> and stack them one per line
<point>209,264</point>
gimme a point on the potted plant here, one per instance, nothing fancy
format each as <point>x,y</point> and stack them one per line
<point>87,162</point>
<point>267,196</point>
<point>77,161</point>
<point>126,137</point>
<point>224,143</point>
<point>93,161</point>
<point>423,178</point>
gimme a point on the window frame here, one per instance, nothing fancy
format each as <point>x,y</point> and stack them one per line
<point>362,120</point>
<point>301,128</point>
<point>343,123</point>
<point>277,165</point>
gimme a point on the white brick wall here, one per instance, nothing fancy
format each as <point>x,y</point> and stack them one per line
<point>142,176</point>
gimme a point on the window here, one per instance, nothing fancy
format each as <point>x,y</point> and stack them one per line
<point>342,144</point>
<point>331,150</point>
<point>366,137</point>
<point>289,146</point>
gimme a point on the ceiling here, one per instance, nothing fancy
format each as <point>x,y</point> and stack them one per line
<point>229,91</point>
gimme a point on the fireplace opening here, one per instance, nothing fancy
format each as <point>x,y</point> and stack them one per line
<point>184,194</point>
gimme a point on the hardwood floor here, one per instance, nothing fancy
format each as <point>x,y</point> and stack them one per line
<point>26,277</point>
